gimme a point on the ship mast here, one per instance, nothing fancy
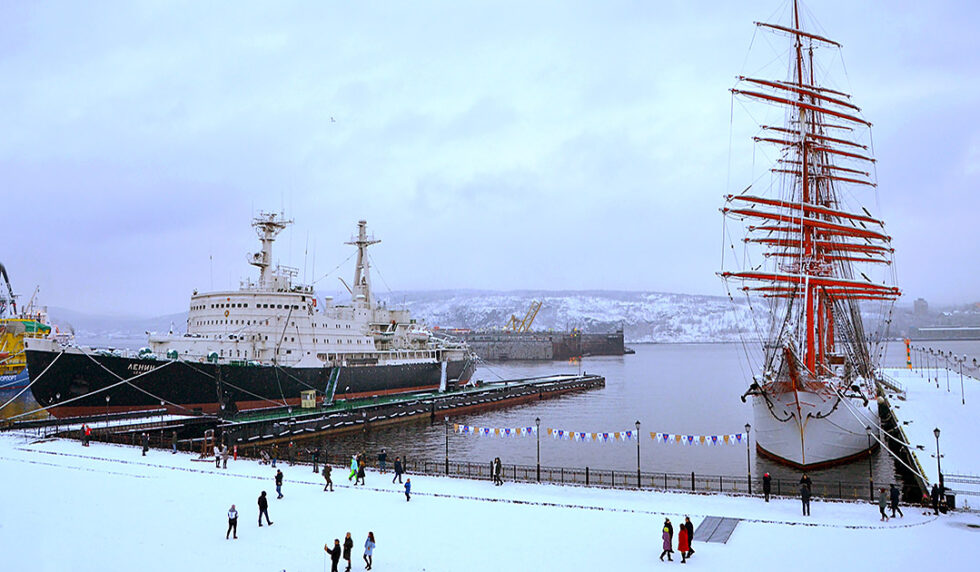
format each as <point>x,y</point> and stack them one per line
<point>362,272</point>
<point>267,226</point>
<point>810,238</point>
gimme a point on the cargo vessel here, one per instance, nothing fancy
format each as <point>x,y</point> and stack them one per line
<point>262,345</point>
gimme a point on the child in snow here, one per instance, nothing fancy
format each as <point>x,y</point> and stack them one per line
<point>353,468</point>
<point>408,489</point>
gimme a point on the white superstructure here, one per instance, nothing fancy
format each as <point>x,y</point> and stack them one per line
<point>274,320</point>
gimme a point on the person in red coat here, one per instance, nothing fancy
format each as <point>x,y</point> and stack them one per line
<point>683,544</point>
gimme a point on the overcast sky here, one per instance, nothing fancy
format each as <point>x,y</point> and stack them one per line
<point>495,146</point>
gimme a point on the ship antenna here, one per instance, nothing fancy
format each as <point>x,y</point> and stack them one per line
<point>362,271</point>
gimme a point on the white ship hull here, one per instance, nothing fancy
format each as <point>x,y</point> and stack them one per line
<point>831,430</point>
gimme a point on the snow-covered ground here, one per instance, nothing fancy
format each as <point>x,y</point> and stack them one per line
<point>106,507</point>
<point>927,407</point>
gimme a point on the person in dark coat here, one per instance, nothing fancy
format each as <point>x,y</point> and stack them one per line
<point>497,472</point>
<point>275,454</point>
<point>334,554</point>
<point>173,442</point>
<point>327,470</point>
<point>398,470</point>
<point>279,483</point>
<point>408,490</point>
<point>935,498</point>
<point>348,546</point>
<point>315,457</point>
<point>360,474</point>
<point>264,509</point>
<point>766,485</point>
<point>145,439</point>
<point>805,480</point>
<point>896,497</point>
<point>382,459</point>
<point>805,498</point>
<point>233,522</point>
<point>689,526</point>
<point>291,451</point>
<point>668,536</point>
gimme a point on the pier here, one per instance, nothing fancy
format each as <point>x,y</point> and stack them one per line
<point>283,424</point>
<point>925,400</point>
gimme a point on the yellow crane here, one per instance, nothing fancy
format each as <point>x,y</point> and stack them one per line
<point>521,326</point>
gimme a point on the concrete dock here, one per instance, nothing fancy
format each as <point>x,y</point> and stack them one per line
<point>935,398</point>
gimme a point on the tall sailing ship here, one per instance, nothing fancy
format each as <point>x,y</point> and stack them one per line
<point>808,248</point>
<point>256,347</point>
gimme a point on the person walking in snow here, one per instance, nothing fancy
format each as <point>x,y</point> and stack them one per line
<point>86,434</point>
<point>145,439</point>
<point>398,470</point>
<point>369,545</point>
<point>766,485</point>
<point>233,522</point>
<point>690,536</point>
<point>315,456</point>
<point>382,459</point>
<point>264,509</point>
<point>896,497</point>
<point>348,546</point>
<point>935,499</point>
<point>668,533</point>
<point>217,456</point>
<point>225,453</point>
<point>327,469</point>
<point>497,472</point>
<point>408,490</point>
<point>805,499</point>
<point>882,503</point>
<point>291,453</point>
<point>334,554</point>
<point>275,454</point>
<point>353,468</point>
<point>360,474</point>
<point>173,442</point>
<point>279,483</point>
<point>682,544</point>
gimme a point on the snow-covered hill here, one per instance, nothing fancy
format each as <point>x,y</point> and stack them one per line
<point>644,316</point>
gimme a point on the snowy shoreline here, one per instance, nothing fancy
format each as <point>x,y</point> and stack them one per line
<point>106,507</point>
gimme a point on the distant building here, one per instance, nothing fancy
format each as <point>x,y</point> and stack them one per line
<point>921,307</point>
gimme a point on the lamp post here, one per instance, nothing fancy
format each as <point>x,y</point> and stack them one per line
<point>962,393</point>
<point>748,456</point>
<point>637,454</point>
<point>445,422</point>
<point>537,432</point>
<point>871,478</point>
<point>946,355</point>
<point>939,465</point>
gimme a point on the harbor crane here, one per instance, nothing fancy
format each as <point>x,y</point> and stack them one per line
<point>521,326</point>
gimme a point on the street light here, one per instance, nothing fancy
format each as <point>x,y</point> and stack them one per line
<point>537,424</point>
<point>748,462</point>
<point>962,393</point>
<point>939,466</point>
<point>871,478</point>
<point>445,422</point>
<point>637,454</point>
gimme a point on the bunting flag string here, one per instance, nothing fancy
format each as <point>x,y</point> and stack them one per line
<point>621,436</point>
